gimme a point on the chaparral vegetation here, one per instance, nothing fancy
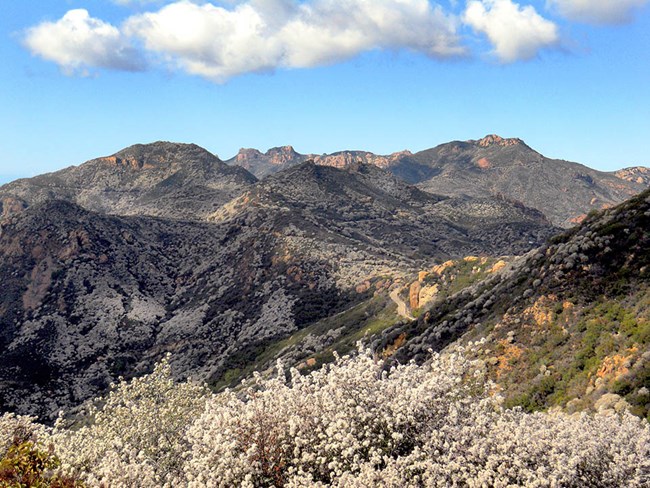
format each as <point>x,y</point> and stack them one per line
<point>353,423</point>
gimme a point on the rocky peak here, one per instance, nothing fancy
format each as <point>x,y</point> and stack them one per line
<point>400,154</point>
<point>343,159</point>
<point>495,140</point>
<point>282,155</point>
<point>158,154</point>
<point>248,153</point>
<point>162,179</point>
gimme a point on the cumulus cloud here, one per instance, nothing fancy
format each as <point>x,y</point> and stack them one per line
<point>516,32</point>
<point>218,42</point>
<point>598,11</point>
<point>261,35</point>
<point>77,42</point>
<point>136,2</point>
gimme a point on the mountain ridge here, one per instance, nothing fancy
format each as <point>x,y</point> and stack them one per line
<point>564,191</point>
<point>101,283</point>
<point>566,325</point>
<point>90,295</point>
<point>159,179</point>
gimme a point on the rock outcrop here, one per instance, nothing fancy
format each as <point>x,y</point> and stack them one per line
<point>638,174</point>
<point>414,295</point>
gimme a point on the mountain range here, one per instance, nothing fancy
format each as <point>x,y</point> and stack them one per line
<point>563,191</point>
<point>108,266</point>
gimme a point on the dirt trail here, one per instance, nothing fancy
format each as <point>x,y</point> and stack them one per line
<point>402,309</point>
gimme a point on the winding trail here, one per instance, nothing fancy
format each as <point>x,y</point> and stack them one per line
<point>402,309</point>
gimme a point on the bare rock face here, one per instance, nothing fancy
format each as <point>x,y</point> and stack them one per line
<point>414,295</point>
<point>495,140</point>
<point>427,295</point>
<point>282,155</point>
<point>263,164</point>
<point>278,158</point>
<point>346,158</point>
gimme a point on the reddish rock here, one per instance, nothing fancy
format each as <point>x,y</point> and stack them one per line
<point>493,139</point>
<point>363,287</point>
<point>483,163</point>
<point>414,295</point>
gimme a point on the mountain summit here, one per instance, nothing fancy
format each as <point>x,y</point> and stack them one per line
<point>493,139</point>
<point>182,181</point>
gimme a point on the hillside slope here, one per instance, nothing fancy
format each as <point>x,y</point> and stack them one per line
<point>370,205</point>
<point>89,296</point>
<point>565,192</point>
<point>566,325</point>
<point>181,181</point>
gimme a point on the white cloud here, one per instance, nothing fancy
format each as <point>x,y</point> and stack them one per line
<point>219,40</point>
<point>516,32</point>
<point>261,35</point>
<point>78,41</point>
<point>136,2</point>
<point>598,11</point>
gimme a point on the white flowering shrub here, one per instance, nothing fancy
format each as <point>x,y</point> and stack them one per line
<point>353,424</point>
<point>16,429</point>
<point>349,425</point>
<point>26,458</point>
<point>137,438</point>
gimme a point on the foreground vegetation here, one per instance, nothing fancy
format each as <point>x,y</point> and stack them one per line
<point>349,424</point>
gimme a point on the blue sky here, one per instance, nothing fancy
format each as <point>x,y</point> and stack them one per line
<point>85,78</point>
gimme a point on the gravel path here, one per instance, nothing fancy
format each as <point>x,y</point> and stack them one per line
<point>402,309</point>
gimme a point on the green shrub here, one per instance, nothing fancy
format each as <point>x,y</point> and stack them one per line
<point>29,466</point>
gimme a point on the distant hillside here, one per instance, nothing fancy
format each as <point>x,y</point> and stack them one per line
<point>89,296</point>
<point>566,325</point>
<point>165,179</point>
<point>365,203</point>
<point>565,192</point>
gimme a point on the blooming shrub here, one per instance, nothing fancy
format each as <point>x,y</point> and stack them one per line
<point>24,460</point>
<point>353,424</point>
<point>350,424</point>
<point>137,438</point>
